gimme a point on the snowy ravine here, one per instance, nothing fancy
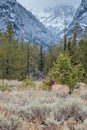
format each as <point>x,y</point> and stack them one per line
<point>24,22</point>
<point>56,18</point>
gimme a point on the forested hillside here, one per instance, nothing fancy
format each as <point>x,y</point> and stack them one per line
<point>67,60</point>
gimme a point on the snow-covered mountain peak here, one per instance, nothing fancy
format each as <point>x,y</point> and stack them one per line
<point>56,18</point>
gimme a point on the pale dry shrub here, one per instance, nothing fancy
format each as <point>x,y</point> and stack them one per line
<point>83,95</point>
<point>85,123</point>
<point>43,108</point>
<point>9,123</point>
<point>55,112</point>
<point>62,94</point>
<point>70,107</point>
<point>80,85</point>
<point>80,127</point>
<point>11,83</point>
<point>35,112</point>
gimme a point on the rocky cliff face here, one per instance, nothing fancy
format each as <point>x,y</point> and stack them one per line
<point>24,22</point>
<point>80,18</point>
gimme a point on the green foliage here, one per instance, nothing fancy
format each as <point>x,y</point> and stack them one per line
<point>28,59</point>
<point>45,84</point>
<point>85,34</point>
<point>80,56</point>
<point>8,55</point>
<point>82,45</point>
<point>26,83</point>
<point>85,79</point>
<point>4,86</point>
<point>64,72</point>
<point>69,47</point>
<point>41,60</point>
<point>51,56</point>
<point>18,60</point>
<point>22,64</point>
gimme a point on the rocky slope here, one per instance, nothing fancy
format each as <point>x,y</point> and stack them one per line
<point>24,22</point>
<point>80,18</point>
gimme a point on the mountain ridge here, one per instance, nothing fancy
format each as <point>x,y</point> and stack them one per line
<point>23,22</point>
<point>47,26</point>
<point>80,18</point>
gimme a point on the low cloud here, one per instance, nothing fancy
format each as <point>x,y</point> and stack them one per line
<point>36,5</point>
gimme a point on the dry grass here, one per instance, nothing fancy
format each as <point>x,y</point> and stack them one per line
<point>42,110</point>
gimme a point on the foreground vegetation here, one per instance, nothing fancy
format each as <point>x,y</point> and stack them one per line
<point>31,109</point>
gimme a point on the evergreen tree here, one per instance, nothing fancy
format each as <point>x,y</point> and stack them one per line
<point>22,61</point>
<point>9,37</point>
<point>7,54</point>
<point>41,60</point>
<point>85,34</point>
<point>74,44</point>
<point>64,72</point>
<point>69,46</point>
<point>65,39</point>
<point>28,59</point>
<point>50,57</point>
<point>82,52</point>
<point>65,43</point>
<point>10,33</point>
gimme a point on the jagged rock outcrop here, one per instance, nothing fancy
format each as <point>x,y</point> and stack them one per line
<point>80,18</point>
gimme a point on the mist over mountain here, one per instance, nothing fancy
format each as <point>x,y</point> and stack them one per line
<point>57,18</point>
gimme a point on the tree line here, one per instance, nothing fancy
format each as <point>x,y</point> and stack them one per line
<point>18,60</point>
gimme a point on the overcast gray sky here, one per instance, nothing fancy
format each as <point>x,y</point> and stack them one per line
<point>36,5</point>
